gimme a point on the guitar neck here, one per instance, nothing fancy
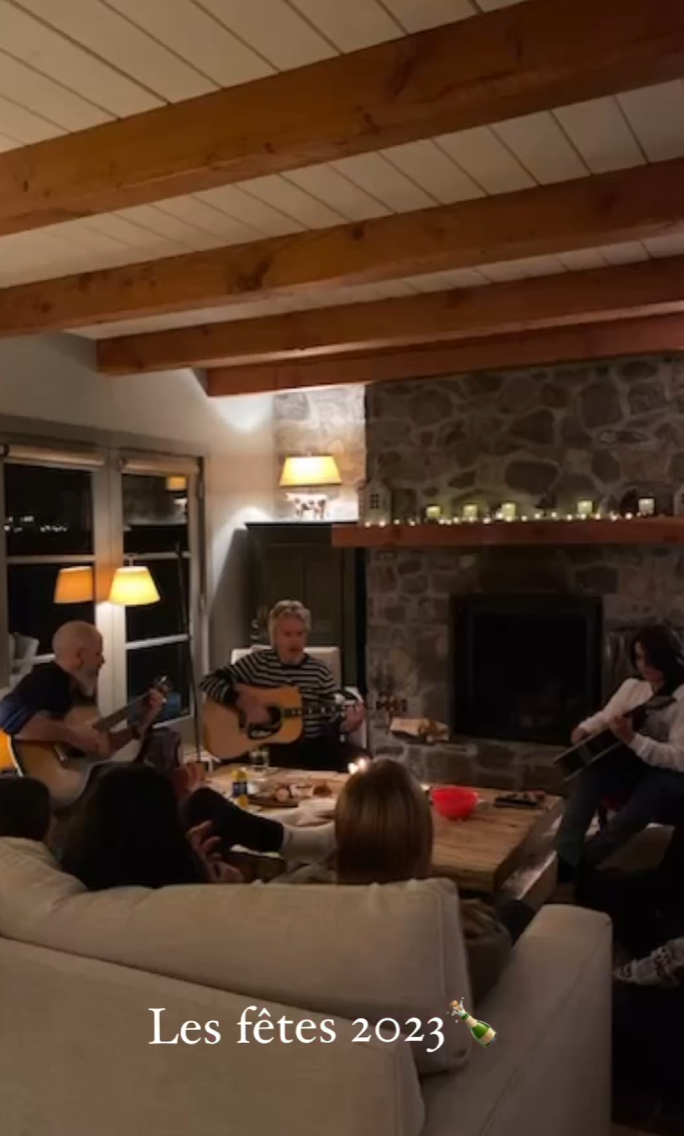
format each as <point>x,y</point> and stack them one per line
<point>112,720</point>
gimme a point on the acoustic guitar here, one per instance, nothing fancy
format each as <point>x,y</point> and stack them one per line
<point>228,735</point>
<point>66,772</point>
<point>579,756</point>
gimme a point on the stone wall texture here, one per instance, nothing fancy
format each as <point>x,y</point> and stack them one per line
<point>326,421</point>
<point>597,431</point>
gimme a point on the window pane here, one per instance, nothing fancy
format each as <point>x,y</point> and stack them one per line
<point>146,664</point>
<point>33,614</point>
<point>165,617</point>
<point>47,511</point>
<point>155,513</point>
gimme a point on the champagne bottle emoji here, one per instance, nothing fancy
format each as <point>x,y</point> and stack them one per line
<point>481,1031</point>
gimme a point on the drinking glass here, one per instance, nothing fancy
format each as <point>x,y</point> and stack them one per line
<point>261,760</point>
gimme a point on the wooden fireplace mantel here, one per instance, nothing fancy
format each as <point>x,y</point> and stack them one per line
<point>478,534</point>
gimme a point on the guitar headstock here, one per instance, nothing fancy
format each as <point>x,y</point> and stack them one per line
<point>163,685</point>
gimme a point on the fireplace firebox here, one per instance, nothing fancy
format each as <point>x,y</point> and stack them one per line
<point>524,668</point>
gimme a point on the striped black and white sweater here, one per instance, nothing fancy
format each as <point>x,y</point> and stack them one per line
<point>312,678</point>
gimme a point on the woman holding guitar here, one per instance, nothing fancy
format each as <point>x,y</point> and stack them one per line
<point>646,771</point>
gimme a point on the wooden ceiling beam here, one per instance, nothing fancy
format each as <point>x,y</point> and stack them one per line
<point>534,348</point>
<point>622,292</point>
<point>584,213</point>
<point>515,61</point>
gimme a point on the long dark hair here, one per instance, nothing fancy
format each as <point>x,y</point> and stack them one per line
<point>24,808</point>
<point>128,832</point>
<point>662,647</point>
<point>383,827</point>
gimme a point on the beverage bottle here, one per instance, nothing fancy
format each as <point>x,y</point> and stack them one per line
<point>239,793</point>
<point>481,1031</point>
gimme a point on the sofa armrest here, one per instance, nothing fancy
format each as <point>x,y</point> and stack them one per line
<point>548,1071</point>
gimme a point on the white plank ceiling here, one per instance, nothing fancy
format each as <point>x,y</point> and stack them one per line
<point>66,65</point>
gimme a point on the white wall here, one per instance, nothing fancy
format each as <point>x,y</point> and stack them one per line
<point>54,378</point>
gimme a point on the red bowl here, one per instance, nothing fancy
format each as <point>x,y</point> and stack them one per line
<point>453,802</point>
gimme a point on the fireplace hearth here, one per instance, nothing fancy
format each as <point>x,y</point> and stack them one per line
<point>524,668</point>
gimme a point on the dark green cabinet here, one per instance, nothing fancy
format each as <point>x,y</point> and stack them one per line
<point>297,562</point>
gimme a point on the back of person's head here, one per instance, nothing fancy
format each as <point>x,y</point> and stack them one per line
<point>128,832</point>
<point>24,808</point>
<point>383,827</point>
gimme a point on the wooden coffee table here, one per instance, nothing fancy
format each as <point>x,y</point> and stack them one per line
<point>481,854</point>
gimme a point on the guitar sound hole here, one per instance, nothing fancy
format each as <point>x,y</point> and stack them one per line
<point>259,733</point>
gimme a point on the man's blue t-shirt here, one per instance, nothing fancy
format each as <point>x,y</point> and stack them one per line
<point>46,690</point>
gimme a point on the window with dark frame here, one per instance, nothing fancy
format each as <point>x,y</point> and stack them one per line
<point>158,636</point>
<point>59,516</point>
<point>48,526</point>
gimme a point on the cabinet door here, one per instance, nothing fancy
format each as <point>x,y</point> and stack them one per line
<point>298,562</point>
<point>282,575</point>
<point>323,590</point>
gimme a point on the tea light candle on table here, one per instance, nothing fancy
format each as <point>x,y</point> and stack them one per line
<point>358,766</point>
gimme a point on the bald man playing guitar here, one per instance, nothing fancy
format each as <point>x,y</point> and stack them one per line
<point>39,707</point>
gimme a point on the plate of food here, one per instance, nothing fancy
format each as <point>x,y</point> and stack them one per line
<point>291,794</point>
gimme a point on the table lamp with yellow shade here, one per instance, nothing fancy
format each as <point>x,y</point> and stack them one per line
<point>176,483</point>
<point>133,586</point>
<point>75,585</point>
<point>309,472</point>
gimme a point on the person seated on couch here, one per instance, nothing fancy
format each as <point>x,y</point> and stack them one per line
<point>24,808</point>
<point>384,834</point>
<point>129,830</point>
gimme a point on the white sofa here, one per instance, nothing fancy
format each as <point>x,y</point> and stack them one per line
<point>80,973</point>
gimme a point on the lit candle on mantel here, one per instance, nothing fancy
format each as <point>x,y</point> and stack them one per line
<point>585,509</point>
<point>647,506</point>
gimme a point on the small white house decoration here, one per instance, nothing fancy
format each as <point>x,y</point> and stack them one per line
<point>375,502</point>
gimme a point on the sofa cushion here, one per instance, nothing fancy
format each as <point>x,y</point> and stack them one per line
<point>356,952</point>
<point>76,1060</point>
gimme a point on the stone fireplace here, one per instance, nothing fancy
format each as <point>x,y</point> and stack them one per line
<point>523,668</point>
<point>597,431</point>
